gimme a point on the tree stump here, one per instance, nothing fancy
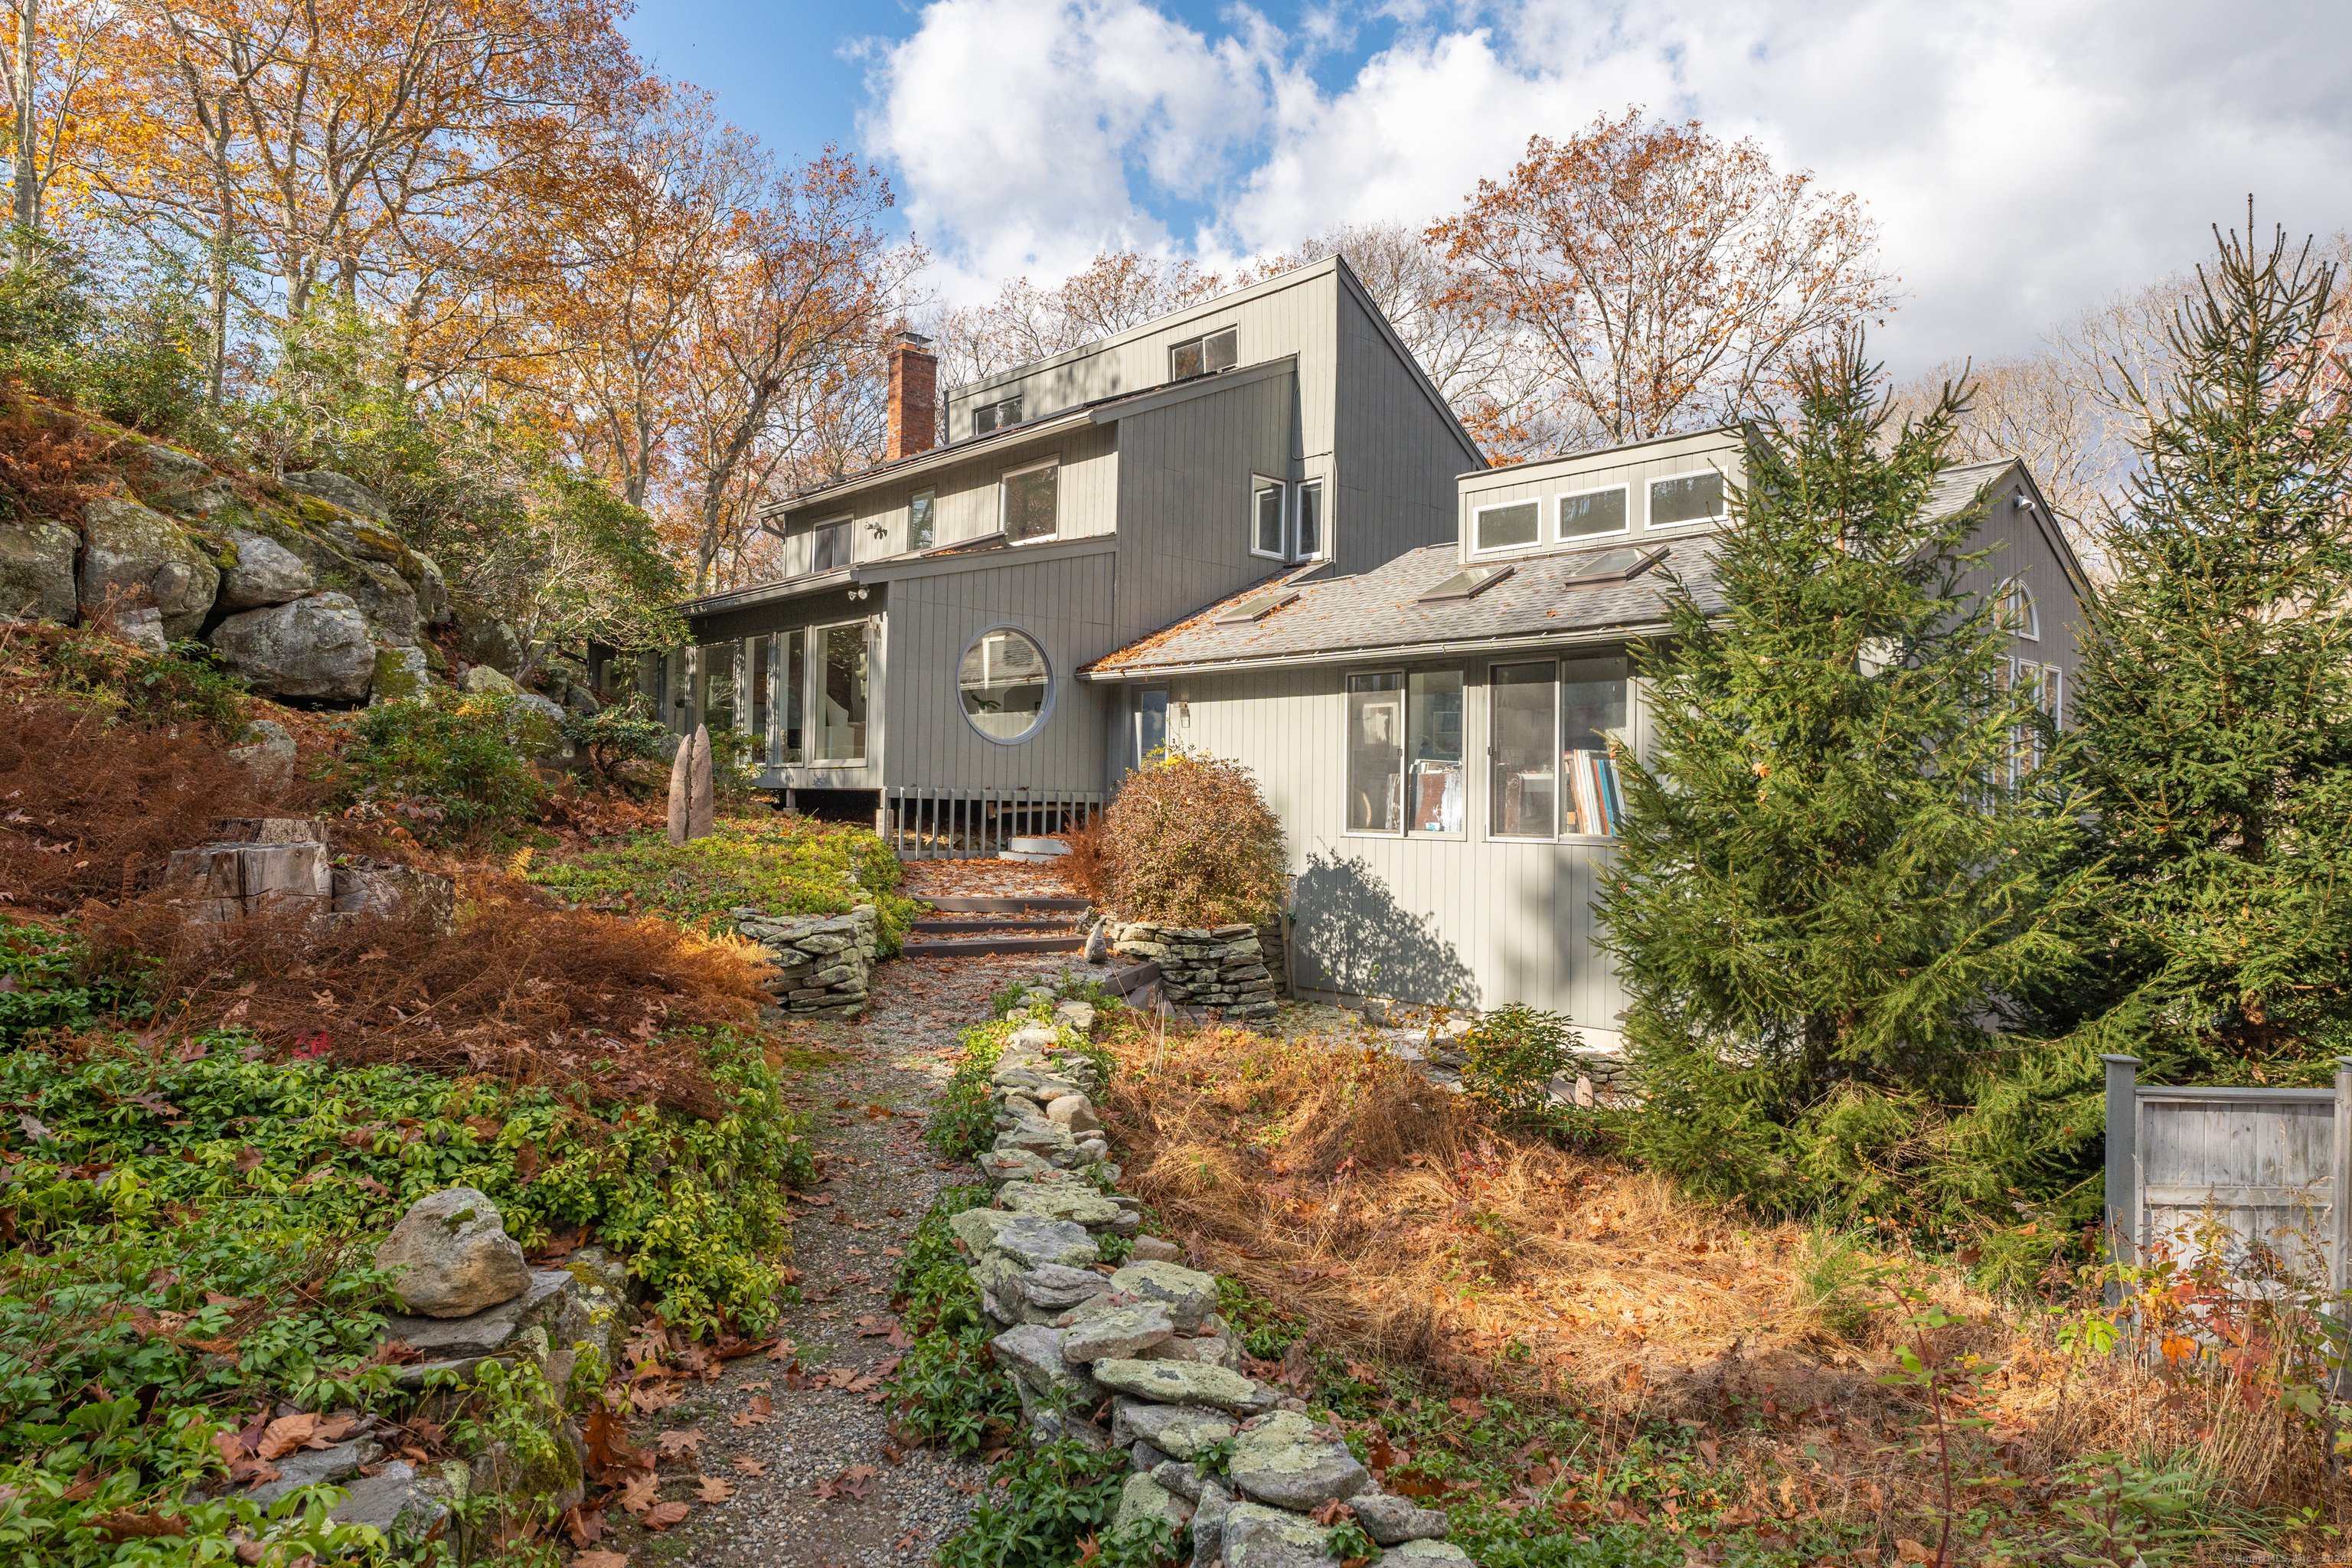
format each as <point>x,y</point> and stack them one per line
<point>233,880</point>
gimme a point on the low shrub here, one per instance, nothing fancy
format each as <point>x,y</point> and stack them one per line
<point>946,1389</point>
<point>185,684</point>
<point>1048,1507</point>
<point>458,764</point>
<point>1190,842</point>
<point>616,733</point>
<point>1511,1057</point>
<point>963,1122</point>
<point>43,984</point>
<point>787,865</point>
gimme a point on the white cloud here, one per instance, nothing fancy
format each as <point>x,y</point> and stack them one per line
<point>2023,157</point>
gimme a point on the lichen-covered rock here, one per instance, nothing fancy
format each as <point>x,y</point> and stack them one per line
<point>399,675</point>
<point>37,572</point>
<point>1255,1536</point>
<point>1190,1295</point>
<point>999,1166</point>
<point>1145,1498</point>
<point>1098,1331</point>
<point>1182,1383</point>
<point>403,1502</point>
<point>1209,1510</point>
<point>1290,1461</point>
<point>483,638</point>
<point>1430,1551</point>
<point>135,552</point>
<point>316,648</point>
<point>450,1256</point>
<point>1075,1111</point>
<point>340,491</point>
<point>1066,1200</point>
<point>258,572</point>
<point>1392,1521</point>
<point>1039,1137</point>
<point>1156,1249</point>
<point>1032,1356</point>
<point>1048,1291</point>
<point>1180,1431</point>
<point>1030,1240</point>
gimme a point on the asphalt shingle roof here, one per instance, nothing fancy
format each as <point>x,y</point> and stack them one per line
<point>1380,610</point>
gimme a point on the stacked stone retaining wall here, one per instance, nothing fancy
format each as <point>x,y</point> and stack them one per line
<point>817,966</point>
<point>1142,1344</point>
<point>1230,972</point>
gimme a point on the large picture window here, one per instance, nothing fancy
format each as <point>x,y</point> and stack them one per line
<point>840,693</point>
<point>763,680</point>
<point>1404,753</point>
<point>1004,684</point>
<point>1032,502</point>
<point>1552,727</point>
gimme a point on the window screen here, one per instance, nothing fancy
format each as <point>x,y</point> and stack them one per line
<point>1597,511</point>
<point>1521,794</point>
<point>1310,520</point>
<point>1502,527</point>
<point>1031,500</point>
<point>1686,499</point>
<point>1266,520</point>
<point>1376,754</point>
<point>922,529</point>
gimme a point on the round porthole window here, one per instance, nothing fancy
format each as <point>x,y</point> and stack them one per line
<point>1005,685</point>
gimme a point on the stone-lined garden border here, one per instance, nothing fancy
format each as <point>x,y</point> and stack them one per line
<point>1236,1460</point>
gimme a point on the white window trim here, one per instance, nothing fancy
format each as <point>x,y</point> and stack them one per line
<point>1559,503</point>
<point>913,497</point>
<point>1478,514</point>
<point>1649,490</point>
<point>2029,626</point>
<point>1290,527</point>
<point>1005,476</point>
<point>1259,485</point>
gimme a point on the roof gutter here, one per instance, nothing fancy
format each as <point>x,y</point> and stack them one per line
<point>1366,655</point>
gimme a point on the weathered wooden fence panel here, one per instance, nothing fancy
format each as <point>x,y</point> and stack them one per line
<point>925,822</point>
<point>2262,1174</point>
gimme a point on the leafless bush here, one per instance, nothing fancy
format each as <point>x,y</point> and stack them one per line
<point>1190,842</point>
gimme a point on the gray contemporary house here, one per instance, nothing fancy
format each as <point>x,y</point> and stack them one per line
<point>1436,732</point>
<point>924,641</point>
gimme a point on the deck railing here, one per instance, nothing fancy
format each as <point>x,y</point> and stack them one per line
<point>923,822</point>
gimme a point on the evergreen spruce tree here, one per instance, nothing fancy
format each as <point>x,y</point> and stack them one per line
<point>2216,709</point>
<point>1830,876</point>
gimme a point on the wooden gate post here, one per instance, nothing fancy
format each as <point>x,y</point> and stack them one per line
<point>2122,1206</point>
<point>2339,1211</point>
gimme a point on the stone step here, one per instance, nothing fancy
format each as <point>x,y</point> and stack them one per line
<point>990,947</point>
<point>957,905</point>
<point>1006,927</point>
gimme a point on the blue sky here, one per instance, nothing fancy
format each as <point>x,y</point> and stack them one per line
<point>2022,158</point>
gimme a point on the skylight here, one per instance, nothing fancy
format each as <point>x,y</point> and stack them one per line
<point>1257,608</point>
<point>1614,565</point>
<point>1467,584</point>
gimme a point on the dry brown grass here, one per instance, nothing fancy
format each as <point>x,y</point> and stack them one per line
<point>1383,1214</point>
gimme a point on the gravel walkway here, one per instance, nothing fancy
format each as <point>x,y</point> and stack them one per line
<point>816,1481</point>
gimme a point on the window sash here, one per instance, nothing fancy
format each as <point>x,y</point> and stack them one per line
<point>1266,519</point>
<point>1375,754</point>
<point>1203,355</point>
<point>922,520</point>
<point>999,415</point>
<point>1031,503</point>
<point>1309,542</point>
<point>1151,724</point>
<point>1513,525</point>
<point>1523,727</point>
<point>837,692</point>
<point>829,546</point>
<point>1436,783</point>
<point>1595,514</point>
<point>1682,498</point>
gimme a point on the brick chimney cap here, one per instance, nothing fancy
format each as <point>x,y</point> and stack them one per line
<point>910,338</point>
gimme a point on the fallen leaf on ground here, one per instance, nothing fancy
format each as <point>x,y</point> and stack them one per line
<point>662,1515</point>
<point>757,1416</point>
<point>751,1468</point>
<point>637,1493</point>
<point>584,1525</point>
<point>714,1489</point>
<point>600,1560</point>
<point>688,1441</point>
<point>287,1434</point>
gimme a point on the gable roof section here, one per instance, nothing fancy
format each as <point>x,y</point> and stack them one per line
<point>1101,411</point>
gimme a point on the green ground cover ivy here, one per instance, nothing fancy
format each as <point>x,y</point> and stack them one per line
<point>787,865</point>
<point>41,983</point>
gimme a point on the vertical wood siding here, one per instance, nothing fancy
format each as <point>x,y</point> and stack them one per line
<point>1064,603</point>
<point>1394,457</point>
<point>2238,1171</point>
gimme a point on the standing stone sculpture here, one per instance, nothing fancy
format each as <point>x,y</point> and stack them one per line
<point>681,771</point>
<point>701,808</point>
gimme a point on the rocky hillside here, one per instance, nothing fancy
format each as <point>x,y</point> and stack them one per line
<point>296,581</point>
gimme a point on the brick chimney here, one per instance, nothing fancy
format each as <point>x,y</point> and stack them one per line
<point>914,395</point>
